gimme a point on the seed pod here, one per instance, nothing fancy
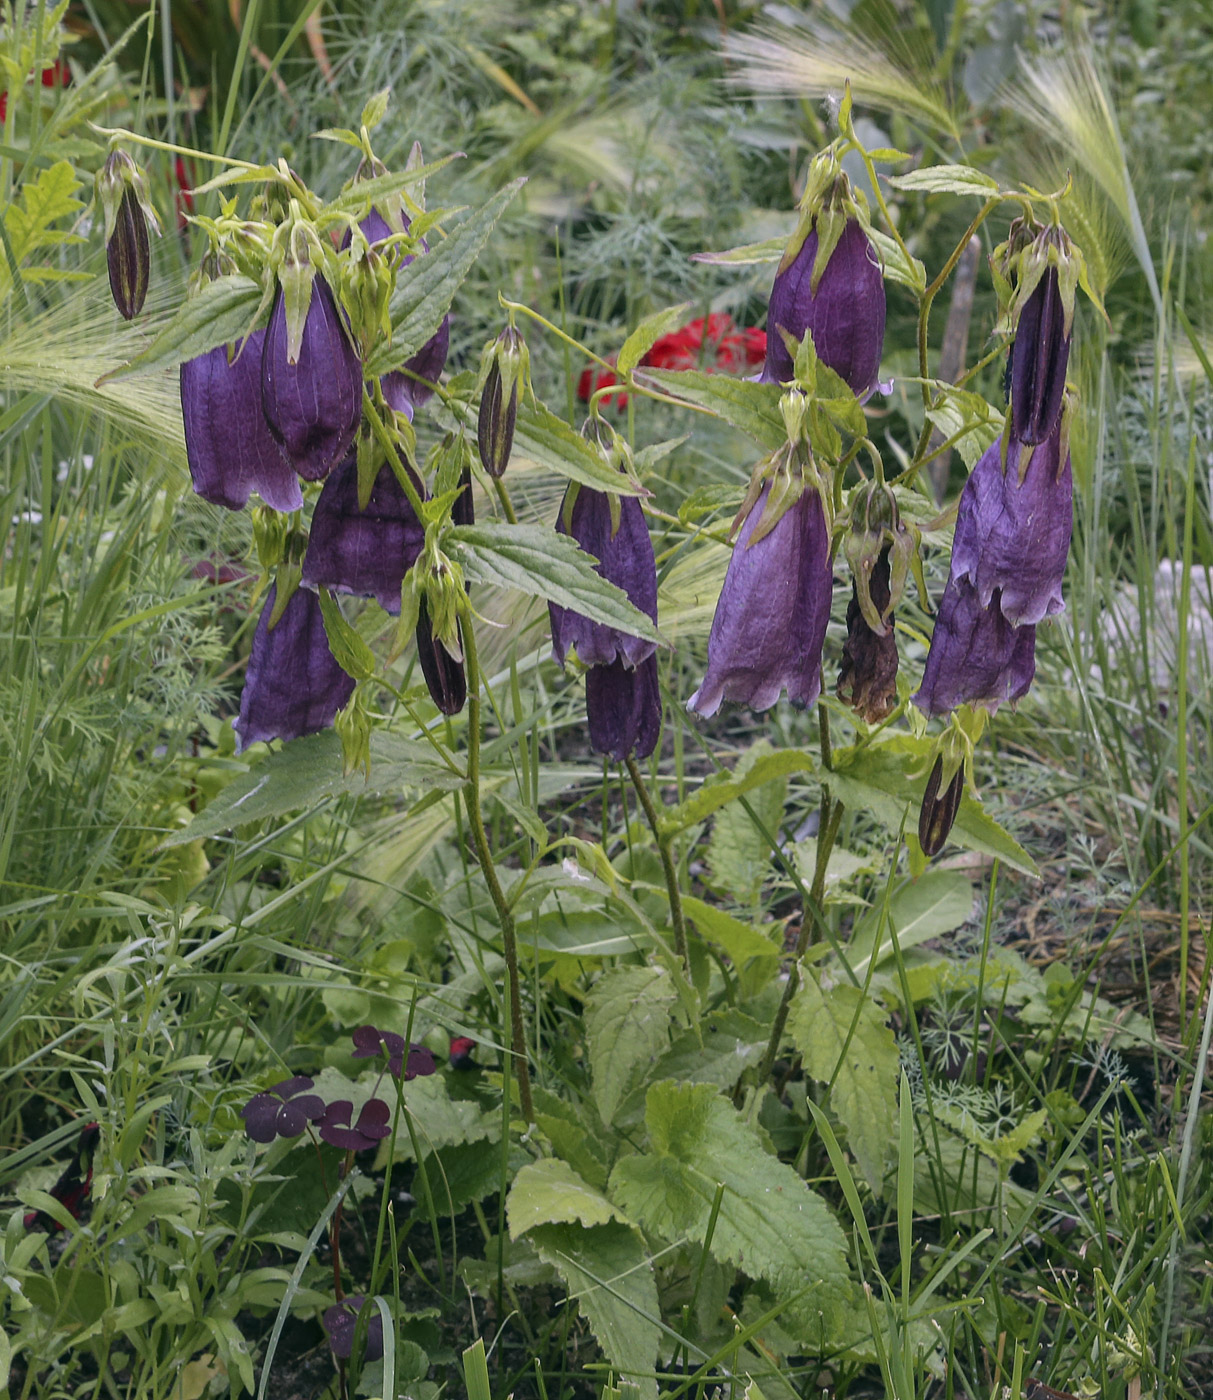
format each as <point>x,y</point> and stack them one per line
<point>499,401</point>
<point>938,812</point>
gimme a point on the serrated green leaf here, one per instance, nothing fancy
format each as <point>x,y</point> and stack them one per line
<point>41,203</point>
<point>750,407</point>
<point>896,268</point>
<point>385,186</point>
<point>946,179</point>
<point>219,314</point>
<point>549,1193</point>
<point>865,1074</point>
<point>426,288</point>
<point>727,787</point>
<point>770,1223</point>
<point>440,1120</point>
<point>739,940</point>
<point>969,414</point>
<point>627,1025</point>
<point>549,442</point>
<point>739,852</point>
<point>376,109</point>
<point>887,779</point>
<point>607,1270</point>
<point>536,560</point>
<point>306,772</point>
<point>646,335</point>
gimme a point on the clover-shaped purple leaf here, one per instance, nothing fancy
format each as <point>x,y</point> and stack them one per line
<point>370,1041</point>
<point>419,1063</point>
<point>372,1127</point>
<point>282,1110</point>
<point>340,1320</point>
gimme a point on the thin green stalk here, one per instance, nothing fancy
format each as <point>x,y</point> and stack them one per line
<point>484,854</point>
<point>827,834</point>
<point>667,862</point>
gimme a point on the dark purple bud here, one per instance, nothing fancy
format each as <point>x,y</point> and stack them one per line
<point>230,447</point>
<point>624,559</point>
<point>1038,363</point>
<point>402,388</point>
<point>846,315</point>
<point>623,708</point>
<point>339,1323</point>
<point>938,811</point>
<point>499,402</point>
<point>293,684</point>
<point>282,1111</point>
<point>444,676</point>
<point>366,552</point>
<point>313,406</point>
<point>129,255</point>
<point>373,1125</point>
<point>1013,538</point>
<point>770,622</point>
<point>977,657</point>
<point>463,512</point>
<point>867,680</point>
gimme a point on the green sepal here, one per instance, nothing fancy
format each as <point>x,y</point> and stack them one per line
<point>350,652</point>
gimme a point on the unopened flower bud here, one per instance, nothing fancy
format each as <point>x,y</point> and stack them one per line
<point>939,809</point>
<point>509,362</point>
<point>444,674</point>
<point>867,679</point>
<point>122,193</point>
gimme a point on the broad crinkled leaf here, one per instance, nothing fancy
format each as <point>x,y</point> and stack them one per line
<point>723,788</point>
<point>536,560</point>
<point>739,852</point>
<point>771,1224</point>
<point>607,1270</point>
<point>549,1193</point>
<point>548,441</point>
<point>947,179</point>
<point>750,407</point>
<point>221,313</point>
<point>936,903</point>
<point>646,335</point>
<point>627,1018</point>
<point>306,772</point>
<point>864,1074</point>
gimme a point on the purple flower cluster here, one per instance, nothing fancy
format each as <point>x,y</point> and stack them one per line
<point>286,1109</point>
<point>622,697</point>
<point>259,417</point>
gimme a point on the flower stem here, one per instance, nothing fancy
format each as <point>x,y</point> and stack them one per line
<point>480,840</point>
<point>667,862</point>
<point>811,915</point>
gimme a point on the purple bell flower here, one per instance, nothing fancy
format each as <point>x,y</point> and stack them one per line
<point>976,656</point>
<point>770,622</point>
<point>623,708</point>
<point>313,406</point>
<point>1039,359</point>
<point>293,684</point>
<point>367,552</point>
<point>1013,538</point>
<point>627,561</point>
<point>403,392</point>
<point>230,447</point>
<point>846,314</point>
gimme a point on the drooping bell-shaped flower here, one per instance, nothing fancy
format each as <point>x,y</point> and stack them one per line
<point>1013,537</point>
<point>402,388</point>
<point>363,551</point>
<point>977,657</point>
<point>845,311</point>
<point>771,619</point>
<point>230,447</point>
<point>625,559</point>
<point>293,684</point>
<point>1039,359</point>
<point>623,708</point>
<point>314,404</point>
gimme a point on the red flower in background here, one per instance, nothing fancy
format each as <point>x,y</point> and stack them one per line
<point>57,75</point>
<point>713,343</point>
<point>183,196</point>
<point>74,1185</point>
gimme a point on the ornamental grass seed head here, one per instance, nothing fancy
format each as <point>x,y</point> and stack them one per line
<point>231,450</point>
<point>312,403</point>
<point>771,618</point>
<point>293,684</point>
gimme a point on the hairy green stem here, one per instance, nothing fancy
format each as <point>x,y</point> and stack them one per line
<point>667,862</point>
<point>505,917</point>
